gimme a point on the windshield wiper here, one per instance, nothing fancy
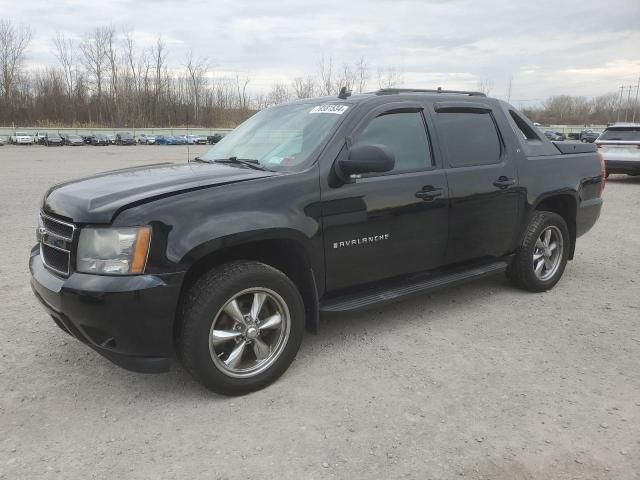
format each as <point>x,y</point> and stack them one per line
<point>249,163</point>
<point>201,160</point>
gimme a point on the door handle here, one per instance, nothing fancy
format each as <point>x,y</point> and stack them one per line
<point>504,182</point>
<point>429,193</point>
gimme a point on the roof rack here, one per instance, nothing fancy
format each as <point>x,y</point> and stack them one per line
<point>395,91</point>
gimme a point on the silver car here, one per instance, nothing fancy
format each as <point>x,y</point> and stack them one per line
<point>619,145</point>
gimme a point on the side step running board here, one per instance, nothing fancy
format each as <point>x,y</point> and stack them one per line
<point>352,303</point>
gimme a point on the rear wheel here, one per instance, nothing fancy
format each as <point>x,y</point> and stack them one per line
<point>540,261</point>
<point>241,325</point>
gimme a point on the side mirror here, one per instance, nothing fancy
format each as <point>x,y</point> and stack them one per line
<point>367,159</point>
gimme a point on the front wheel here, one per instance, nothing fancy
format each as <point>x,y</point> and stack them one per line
<point>240,327</point>
<point>540,261</point>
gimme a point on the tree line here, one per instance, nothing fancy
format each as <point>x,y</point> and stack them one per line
<point>576,110</point>
<point>106,79</point>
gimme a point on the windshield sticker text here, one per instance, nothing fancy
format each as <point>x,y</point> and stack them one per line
<point>337,109</point>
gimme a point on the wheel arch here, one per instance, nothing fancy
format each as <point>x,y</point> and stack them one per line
<point>283,250</point>
<point>565,205</point>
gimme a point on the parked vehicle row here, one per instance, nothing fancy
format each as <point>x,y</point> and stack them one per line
<point>121,138</point>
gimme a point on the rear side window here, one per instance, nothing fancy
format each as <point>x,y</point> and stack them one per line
<point>405,134</point>
<point>621,133</point>
<point>469,138</point>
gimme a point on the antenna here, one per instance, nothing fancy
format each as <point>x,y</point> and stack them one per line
<point>344,93</point>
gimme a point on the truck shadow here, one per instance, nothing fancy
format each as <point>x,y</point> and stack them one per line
<point>377,320</point>
<point>623,179</point>
<point>335,334</point>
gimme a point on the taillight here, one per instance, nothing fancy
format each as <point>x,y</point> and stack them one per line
<point>603,172</point>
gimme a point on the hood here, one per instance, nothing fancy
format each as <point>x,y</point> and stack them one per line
<point>97,199</point>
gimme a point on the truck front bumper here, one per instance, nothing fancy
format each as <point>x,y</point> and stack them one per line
<point>127,319</point>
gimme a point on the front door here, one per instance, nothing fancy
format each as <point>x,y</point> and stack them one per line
<point>391,224</point>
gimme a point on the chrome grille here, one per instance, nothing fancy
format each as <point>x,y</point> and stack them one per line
<point>57,227</point>
<point>56,238</point>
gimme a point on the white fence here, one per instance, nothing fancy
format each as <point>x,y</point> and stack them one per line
<point>7,131</point>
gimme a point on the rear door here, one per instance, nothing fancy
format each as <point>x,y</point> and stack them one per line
<point>482,179</point>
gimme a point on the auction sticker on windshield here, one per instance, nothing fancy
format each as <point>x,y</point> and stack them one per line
<point>337,109</point>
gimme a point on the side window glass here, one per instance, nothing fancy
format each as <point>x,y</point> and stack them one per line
<point>405,134</point>
<point>469,138</point>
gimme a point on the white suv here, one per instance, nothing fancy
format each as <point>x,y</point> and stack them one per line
<point>21,138</point>
<point>620,147</point>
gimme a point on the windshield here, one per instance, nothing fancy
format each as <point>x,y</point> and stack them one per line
<point>281,137</point>
<point>621,133</point>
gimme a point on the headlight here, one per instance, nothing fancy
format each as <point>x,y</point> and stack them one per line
<point>113,251</point>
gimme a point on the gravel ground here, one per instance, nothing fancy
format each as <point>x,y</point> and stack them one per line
<point>480,381</point>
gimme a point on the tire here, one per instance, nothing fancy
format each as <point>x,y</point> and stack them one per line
<point>206,304</point>
<point>522,272</point>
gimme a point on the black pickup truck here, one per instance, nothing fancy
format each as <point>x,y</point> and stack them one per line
<point>332,204</point>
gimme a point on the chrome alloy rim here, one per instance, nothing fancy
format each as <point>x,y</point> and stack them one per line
<point>547,253</point>
<point>249,332</point>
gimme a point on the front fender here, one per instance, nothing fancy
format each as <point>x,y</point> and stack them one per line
<point>191,225</point>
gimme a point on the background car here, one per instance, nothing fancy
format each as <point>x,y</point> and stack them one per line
<point>589,136</point>
<point>195,140</point>
<point>21,138</point>
<point>99,139</point>
<point>555,136</point>
<point>53,139</point>
<point>215,138</point>
<point>146,139</point>
<point>3,140</point>
<point>87,139</point>
<point>39,138</point>
<point>169,140</point>
<point>73,140</point>
<point>111,139</point>
<point>619,145</point>
<point>125,138</point>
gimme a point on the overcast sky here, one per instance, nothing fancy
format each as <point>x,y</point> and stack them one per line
<point>549,47</point>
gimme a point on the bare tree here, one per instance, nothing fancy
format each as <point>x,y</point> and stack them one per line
<point>241,87</point>
<point>361,75</point>
<point>389,77</point>
<point>95,58</point>
<point>279,93</point>
<point>304,87</point>
<point>485,85</point>
<point>159,57</point>
<point>327,86</point>
<point>347,78</point>
<point>65,55</point>
<point>197,75</point>
<point>13,45</point>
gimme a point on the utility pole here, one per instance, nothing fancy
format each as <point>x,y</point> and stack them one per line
<point>635,102</point>
<point>509,90</point>
<point>620,103</point>
<point>628,103</point>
